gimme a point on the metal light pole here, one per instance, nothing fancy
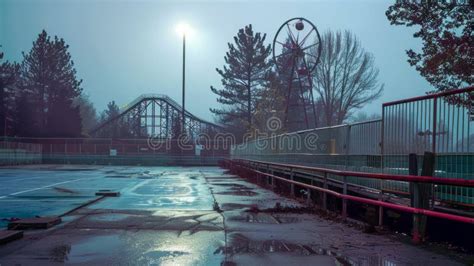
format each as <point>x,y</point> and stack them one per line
<point>183,29</point>
<point>184,84</point>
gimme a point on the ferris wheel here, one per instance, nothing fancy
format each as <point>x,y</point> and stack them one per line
<point>296,52</point>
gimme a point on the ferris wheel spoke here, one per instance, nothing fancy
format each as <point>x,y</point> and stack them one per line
<point>305,37</point>
<point>283,54</point>
<point>290,33</point>
<point>312,55</point>
<point>309,46</point>
<point>285,45</point>
<point>300,48</point>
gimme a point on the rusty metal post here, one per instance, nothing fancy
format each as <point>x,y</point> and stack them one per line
<point>380,207</point>
<point>435,111</point>
<point>292,186</point>
<point>382,163</point>
<point>422,198</point>
<point>414,195</point>
<point>344,201</point>
<point>309,200</point>
<point>325,186</point>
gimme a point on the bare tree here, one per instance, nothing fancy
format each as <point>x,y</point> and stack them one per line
<point>345,78</point>
<point>363,116</point>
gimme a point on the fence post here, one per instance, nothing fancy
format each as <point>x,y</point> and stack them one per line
<point>435,114</point>
<point>422,198</point>
<point>414,195</point>
<point>325,186</point>
<point>292,186</point>
<point>412,170</point>
<point>348,145</point>
<point>344,200</point>
<point>380,207</point>
<point>382,161</point>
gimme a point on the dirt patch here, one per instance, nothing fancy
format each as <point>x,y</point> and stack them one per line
<point>238,193</point>
<point>263,218</point>
<point>237,190</point>
<point>233,206</point>
<point>231,185</point>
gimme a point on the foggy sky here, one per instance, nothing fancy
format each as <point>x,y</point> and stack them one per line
<point>122,49</point>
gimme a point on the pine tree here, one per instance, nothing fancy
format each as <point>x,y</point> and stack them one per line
<point>120,127</point>
<point>271,105</point>
<point>49,77</point>
<point>24,116</point>
<point>9,76</point>
<point>112,129</point>
<point>88,112</point>
<point>243,77</point>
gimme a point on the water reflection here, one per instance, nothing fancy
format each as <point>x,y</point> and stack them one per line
<point>240,244</point>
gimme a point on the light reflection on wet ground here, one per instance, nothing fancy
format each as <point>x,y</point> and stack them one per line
<point>168,216</point>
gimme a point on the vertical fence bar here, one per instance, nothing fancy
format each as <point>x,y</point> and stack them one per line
<point>344,200</point>
<point>325,186</point>
<point>292,186</point>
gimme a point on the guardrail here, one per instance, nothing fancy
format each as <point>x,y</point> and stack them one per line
<point>442,123</point>
<point>268,169</point>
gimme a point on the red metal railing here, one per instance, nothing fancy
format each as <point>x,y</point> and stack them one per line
<point>431,96</point>
<point>442,123</point>
<point>247,165</point>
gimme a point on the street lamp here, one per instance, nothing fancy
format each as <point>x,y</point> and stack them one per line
<point>183,29</point>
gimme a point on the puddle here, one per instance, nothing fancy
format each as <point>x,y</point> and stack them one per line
<point>158,256</point>
<point>154,190</point>
<point>239,244</point>
<point>94,248</point>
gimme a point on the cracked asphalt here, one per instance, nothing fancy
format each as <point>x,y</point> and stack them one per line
<point>182,216</point>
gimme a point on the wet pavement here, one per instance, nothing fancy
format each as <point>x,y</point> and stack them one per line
<point>179,216</point>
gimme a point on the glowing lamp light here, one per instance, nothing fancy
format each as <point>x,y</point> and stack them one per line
<point>183,29</point>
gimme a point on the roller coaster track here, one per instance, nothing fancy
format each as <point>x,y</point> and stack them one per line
<point>156,113</point>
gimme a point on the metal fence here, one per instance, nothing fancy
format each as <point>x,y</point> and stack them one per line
<point>12,153</point>
<point>442,123</point>
<point>353,147</point>
<point>348,139</point>
<point>149,151</point>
